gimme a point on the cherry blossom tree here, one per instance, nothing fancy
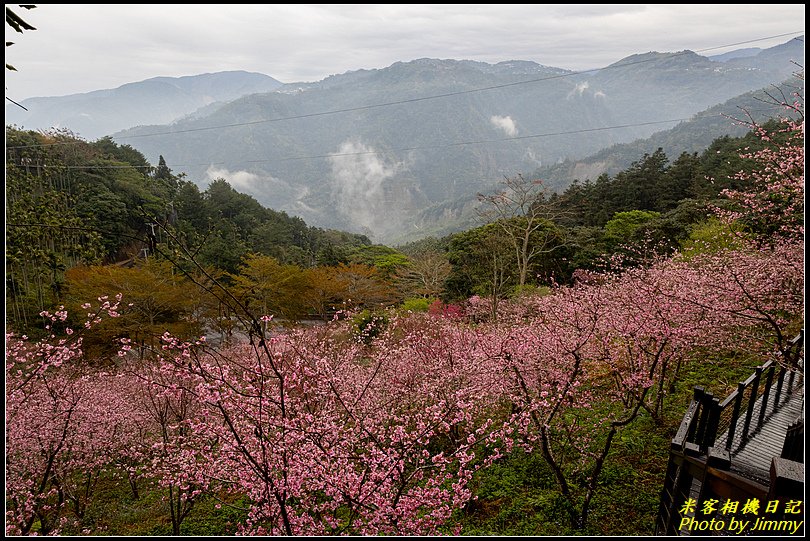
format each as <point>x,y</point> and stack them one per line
<point>64,423</point>
<point>166,407</point>
<point>328,436</point>
<point>773,207</point>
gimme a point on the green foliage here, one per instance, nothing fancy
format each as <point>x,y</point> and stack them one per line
<point>125,154</point>
<point>45,235</point>
<point>517,496</point>
<point>228,225</point>
<point>623,225</point>
<point>653,184</point>
<point>483,262</point>
<point>368,325</point>
<point>211,518</point>
<point>709,237</point>
<point>419,304</point>
<point>386,260</point>
<point>76,202</point>
<point>425,245</point>
<point>530,290</point>
<point>114,511</point>
<point>594,214</point>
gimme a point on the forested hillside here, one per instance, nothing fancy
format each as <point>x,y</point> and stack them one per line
<point>731,118</point>
<point>75,203</point>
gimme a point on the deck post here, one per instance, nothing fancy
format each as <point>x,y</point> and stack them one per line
<point>735,416</point>
<point>766,394</point>
<point>752,400</point>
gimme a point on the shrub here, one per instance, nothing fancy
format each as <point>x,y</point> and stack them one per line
<point>418,304</point>
<point>368,325</point>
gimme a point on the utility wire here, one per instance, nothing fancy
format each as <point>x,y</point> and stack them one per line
<point>17,104</point>
<point>404,149</point>
<point>448,94</point>
<point>444,95</point>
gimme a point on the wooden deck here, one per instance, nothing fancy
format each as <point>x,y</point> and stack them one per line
<point>754,457</point>
<point>752,460</point>
<point>746,446</point>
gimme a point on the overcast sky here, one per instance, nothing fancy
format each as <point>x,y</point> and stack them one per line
<point>78,48</point>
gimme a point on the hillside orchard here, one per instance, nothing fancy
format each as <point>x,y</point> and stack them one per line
<point>384,426</point>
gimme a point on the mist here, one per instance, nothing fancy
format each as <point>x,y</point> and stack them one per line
<point>358,176</point>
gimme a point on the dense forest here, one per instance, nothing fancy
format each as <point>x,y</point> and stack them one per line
<point>506,379</point>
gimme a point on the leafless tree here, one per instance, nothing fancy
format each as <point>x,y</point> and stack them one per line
<point>425,275</point>
<point>524,212</point>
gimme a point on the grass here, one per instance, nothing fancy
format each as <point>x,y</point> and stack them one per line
<point>114,511</point>
<point>519,495</point>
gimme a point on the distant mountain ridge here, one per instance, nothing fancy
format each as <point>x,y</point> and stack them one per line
<point>154,101</point>
<point>738,53</point>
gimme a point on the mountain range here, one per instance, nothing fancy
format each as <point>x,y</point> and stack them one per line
<point>388,152</point>
<point>153,101</point>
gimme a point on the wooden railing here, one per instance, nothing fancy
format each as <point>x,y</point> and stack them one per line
<point>694,454</point>
<point>707,416</point>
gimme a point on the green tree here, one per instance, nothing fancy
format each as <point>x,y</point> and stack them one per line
<point>640,185</point>
<point>266,286</point>
<point>44,236</point>
<point>386,260</point>
<point>623,225</point>
<point>483,261</point>
<point>223,247</point>
<point>679,178</point>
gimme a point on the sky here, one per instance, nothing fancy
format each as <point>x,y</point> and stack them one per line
<point>79,48</point>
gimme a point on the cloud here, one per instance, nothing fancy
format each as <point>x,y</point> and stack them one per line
<point>268,190</point>
<point>505,124</point>
<point>359,175</point>
<point>578,90</point>
<point>599,94</point>
<point>530,156</point>
<point>241,181</point>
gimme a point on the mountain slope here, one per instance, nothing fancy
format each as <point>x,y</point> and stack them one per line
<point>153,101</point>
<point>371,168</point>
<point>691,136</point>
<point>737,53</point>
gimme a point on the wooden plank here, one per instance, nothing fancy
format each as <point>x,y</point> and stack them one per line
<point>766,441</point>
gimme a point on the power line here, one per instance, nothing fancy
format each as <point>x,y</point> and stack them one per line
<point>449,94</point>
<point>17,104</point>
<point>437,96</point>
<point>748,41</point>
<point>405,149</point>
